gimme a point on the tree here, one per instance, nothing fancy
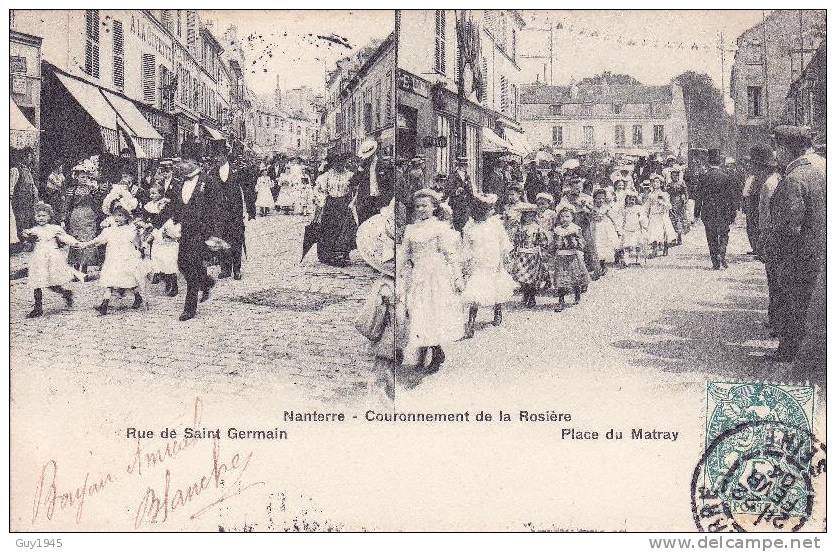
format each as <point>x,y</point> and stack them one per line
<point>708,123</point>
<point>610,78</point>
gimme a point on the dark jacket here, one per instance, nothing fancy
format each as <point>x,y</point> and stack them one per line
<point>231,203</point>
<point>460,197</point>
<point>716,199</point>
<point>197,224</point>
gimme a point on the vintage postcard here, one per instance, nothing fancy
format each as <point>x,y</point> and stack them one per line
<point>417,270</point>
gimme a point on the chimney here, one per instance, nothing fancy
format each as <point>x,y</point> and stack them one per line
<point>573,89</point>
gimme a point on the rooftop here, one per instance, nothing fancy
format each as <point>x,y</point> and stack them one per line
<point>596,94</point>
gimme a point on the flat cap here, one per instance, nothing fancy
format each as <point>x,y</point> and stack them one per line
<point>792,133</point>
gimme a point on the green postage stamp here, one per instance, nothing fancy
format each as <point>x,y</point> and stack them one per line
<point>761,464</point>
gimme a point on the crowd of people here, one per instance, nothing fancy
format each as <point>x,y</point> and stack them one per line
<point>447,248</point>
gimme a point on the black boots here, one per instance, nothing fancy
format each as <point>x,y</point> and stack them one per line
<point>470,328</point>
<point>497,315</point>
<point>577,295</point>
<point>171,285</point>
<point>39,305</point>
<point>437,359</point>
<point>102,309</point>
<point>137,300</point>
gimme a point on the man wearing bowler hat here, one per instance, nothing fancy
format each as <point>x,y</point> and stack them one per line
<point>762,165</point>
<point>460,193</point>
<point>796,235</point>
<point>716,204</point>
<point>231,209</point>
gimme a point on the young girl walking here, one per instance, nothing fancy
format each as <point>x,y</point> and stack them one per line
<point>48,266</point>
<point>431,276</point>
<point>530,244</point>
<point>121,267</point>
<point>604,231</point>
<point>660,230</point>
<point>570,273</point>
<point>264,193</point>
<point>165,239</point>
<point>486,246</point>
<point>633,230</point>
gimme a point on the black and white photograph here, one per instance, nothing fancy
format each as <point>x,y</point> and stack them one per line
<point>418,270</point>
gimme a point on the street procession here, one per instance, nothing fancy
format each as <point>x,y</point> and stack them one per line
<point>451,202</point>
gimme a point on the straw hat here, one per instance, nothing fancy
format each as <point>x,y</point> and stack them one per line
<point>376,242</point>
<point>547,196</point>
<point>367,148</point>
<point>427,192</point>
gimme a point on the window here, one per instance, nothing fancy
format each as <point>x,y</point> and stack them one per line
<point>167,20</point>
<point>619,135</point>
<point>191,28</point>
<point>91,57</point>
<point>586,109</point>
<point>514,44</point>
<point>118,55</point>
<point>390,85</point>
<point>557,135</point>
<point>377,111</point>
<point>658,134</point>
<point>440,29</point>
<point>617,108</point>
<point>179,17</point>
<point>754,95</point>
<point>149,78</point>
<point>442,155</point>
<point>588,135</point>
<point>637,135</point>
<point>556,109</point>
<point>483,82</point>
<point>504,101</point>
<point>657,108</point>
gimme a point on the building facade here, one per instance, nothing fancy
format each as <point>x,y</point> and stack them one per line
<point>25,91</point>
<point>429,66</point>
<point>770,56</point>
<point>604,117</point>
<point>807,98</point>
<point>149,79</point>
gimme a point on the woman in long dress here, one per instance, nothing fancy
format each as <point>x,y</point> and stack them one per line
<point>432,280</point>
<point>604,230</point>
<point>337,228</point>
<point>80,219</point>
<point>24,193</point>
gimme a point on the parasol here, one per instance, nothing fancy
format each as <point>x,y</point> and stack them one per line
<point>311,235</point>
<point>543,156</point>
<point>570,164</point>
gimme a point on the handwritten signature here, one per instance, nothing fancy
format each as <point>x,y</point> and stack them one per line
<point>52,497</point>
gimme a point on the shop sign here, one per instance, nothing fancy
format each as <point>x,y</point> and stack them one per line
<point>434,142</point>
<point>18,84</point>
<point>17,64</point>
<point>413,84</point>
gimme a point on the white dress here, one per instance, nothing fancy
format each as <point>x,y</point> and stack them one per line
<point>48,264</point>
<point>633,231</point>
<point>166,248</point>
<point>604,233</point>
<point>659,226</point>
<point>264,194</point>
<point>121,267</point>
<point>485,245</point>
<point>430,268</point>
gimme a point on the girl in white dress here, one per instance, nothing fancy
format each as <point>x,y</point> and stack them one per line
<point>431,276</point>
<point>165,239</point>
<point>264,193</point>
<point>48,266</point>
<point>660,230</point>
<point>633,230</point>
<point>486,247</point>
<point>604,230</point>
<point>122,264</point>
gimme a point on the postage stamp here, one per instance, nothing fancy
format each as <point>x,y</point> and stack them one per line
<point>762,466</point>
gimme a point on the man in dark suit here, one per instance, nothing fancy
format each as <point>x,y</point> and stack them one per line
<point>231,206</point>
<point>716,204</point>
<point>195,212</point>
<point>796,234</point>
<point>460,194</point>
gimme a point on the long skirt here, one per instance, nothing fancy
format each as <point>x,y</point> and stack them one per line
<point>337,229</point>
<point>527,267</point>
<point>82,226</point>
<point>164,254</point>
<point>569,272</point>
<point>488,286</point>
<point>679,214</point>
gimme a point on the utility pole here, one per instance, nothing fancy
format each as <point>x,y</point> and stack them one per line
<point>551,52</point>
<point>721,123</point>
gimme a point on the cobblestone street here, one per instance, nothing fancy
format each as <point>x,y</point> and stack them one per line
<point>284,321</point>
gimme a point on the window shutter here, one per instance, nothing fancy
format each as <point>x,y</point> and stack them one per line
<point>440,28</point>
<point>149,78</point>
<point>118,55</point>
<point>483,82</point>
<point>91,57</point>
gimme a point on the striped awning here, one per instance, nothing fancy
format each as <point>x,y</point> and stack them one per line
<point>147,142</point>
<point>92,101</point>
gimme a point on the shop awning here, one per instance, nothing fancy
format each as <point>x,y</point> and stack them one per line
<point>21,132</point>
<point>493,143</point>
<point>215,134</point>
<point>91,100</point>
<point>140,131</point>
<point>518,141</point>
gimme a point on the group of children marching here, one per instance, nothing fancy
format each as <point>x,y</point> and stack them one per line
<point>289,194</point>
<point>138,242</point>
<point>534,248</point>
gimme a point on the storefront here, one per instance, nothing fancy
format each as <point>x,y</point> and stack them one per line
<point>426,117</point>
<point>25,93</point>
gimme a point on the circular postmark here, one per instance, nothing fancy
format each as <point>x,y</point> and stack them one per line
<point>769,474</point>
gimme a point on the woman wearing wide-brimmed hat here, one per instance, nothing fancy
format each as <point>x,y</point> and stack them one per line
<point>24,193</point>
<point>81,215</point>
